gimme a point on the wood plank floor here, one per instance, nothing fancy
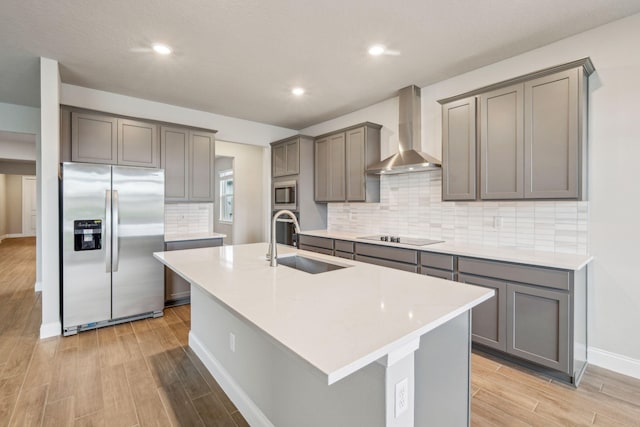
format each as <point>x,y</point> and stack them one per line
<point>143,373</point>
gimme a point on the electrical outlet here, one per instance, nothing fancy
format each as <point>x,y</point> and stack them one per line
<point>402,397</point>
<point>232,342</point>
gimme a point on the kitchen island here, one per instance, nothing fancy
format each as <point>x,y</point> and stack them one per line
<point>358,346</point>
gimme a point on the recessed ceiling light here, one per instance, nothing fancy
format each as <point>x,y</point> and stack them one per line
<point>377,50</point>
<point>297,91</point>
<point>162,49</point>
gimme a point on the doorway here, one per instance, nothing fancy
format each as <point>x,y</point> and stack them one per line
<point>29,205</point>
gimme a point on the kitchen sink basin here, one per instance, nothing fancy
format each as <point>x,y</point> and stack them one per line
<point>308,265</point>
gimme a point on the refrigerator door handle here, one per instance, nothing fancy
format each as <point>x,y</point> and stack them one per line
<point>114,228</point>
<point>107,231</point>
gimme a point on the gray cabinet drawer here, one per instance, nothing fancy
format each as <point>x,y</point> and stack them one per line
<point>315,249</point>
<point>387,263</point>
<point>435,272</point>
<point>559,279</point>
<point>319,242</point>
<point>441,261</point>
<point>346,255</point>
<point>344,246</point>
<point>395,254</point>
<point>192,244</point>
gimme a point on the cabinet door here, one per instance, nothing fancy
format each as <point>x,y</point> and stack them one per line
<point>278,160</point>
<point>138,144</point>
<point>292,156</point>
<point>201,166</point>
<point>336,166</point>
<point>551,136</point>
<point>489,325</point>
<point>94,138</point>
<point>502,143</point>
<point>321,170</point>
<point>174,155</point>
<point>538,325</point>
<point>355,165</point>
<point>459,150</point>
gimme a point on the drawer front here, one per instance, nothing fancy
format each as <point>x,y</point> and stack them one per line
<point>320,242</point>
<point>344,246</point>
<point>394,254</point>
<point>558,279</point>
<point>346,255</point>
<point>192,244</point>
<point>441,261</point>
<point>315,249</point>
<point>434,272</point>
<point>387,263</point>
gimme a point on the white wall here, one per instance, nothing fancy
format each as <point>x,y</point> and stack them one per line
<point>614,147</point>
<point>229,128</point>
<point>48,150</point>
<point>248,173</point>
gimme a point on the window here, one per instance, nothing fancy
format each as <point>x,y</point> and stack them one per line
<point>226,196</point>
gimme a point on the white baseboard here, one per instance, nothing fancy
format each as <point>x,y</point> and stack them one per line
<point>52,329</point>
<point>614,362</point>
<point>37,287</point>
<point>246,406</point>
<point>14,235</point>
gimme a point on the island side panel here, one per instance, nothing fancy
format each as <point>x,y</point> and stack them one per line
<point>443,375</point>
<point>270,385</point>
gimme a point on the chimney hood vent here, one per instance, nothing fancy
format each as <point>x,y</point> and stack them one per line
<point>409,157</point>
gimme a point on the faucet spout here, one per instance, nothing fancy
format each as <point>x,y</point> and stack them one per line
<point>272,254</point>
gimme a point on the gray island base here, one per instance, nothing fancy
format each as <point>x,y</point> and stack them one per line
<point>360,346</point>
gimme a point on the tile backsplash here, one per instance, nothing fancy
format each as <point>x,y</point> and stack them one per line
<point>411,204</point>
<point>188,218</point>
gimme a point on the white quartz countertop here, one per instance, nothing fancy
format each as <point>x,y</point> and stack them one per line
<point>337,321</point>
<point>520,256</point>
<point>177,237</point>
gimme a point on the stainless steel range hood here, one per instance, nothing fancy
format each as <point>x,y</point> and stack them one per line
<point>409,158</point>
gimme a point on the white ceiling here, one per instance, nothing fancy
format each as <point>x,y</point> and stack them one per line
<point>241,58</point>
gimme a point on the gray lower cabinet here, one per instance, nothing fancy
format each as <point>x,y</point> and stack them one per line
<point>398,258</point>
<point>538,325</point>
<point>459,150</point>
<point>341,161</point>
<point>320,245</point>
<point>188,158</point>
<point>177,291</point>
<point>438,265</point>
<point>97,138</point>
<point>344,249</point>
<point>489,319</point>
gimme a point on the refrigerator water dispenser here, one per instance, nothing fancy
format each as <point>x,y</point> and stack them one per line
<point>87,234</point>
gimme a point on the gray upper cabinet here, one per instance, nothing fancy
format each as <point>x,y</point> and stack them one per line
<point>531,134</point>
<point>285,157</point>
<point>97,138</point>
<point>138,144</point>
<point>502,143</point>
<point>552,136</point>
<point>341,161</point>
<point>94,138</point>
<point>330,168</point>
<point>188,158</point>
<point>459,150</point>
<point>175,162</point>
<point>201,166</point>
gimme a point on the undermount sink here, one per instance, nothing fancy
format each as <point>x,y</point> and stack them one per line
<point>308,265</point>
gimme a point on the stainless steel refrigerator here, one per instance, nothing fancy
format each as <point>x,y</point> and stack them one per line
<point>112,220</point>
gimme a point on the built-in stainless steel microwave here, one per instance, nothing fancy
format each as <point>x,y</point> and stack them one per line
<point>284,195</point>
